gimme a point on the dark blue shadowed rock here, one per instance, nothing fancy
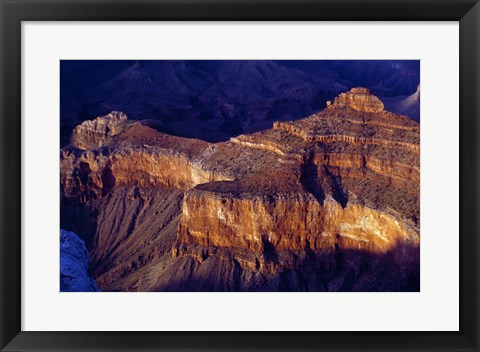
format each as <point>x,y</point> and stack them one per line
<point>74,276</point>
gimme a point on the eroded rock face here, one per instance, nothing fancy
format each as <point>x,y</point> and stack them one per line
<point>359,99</point>
<point>140,156</point>
<point>265,207</point>
<point>294,222</point>
<point>95,133</point>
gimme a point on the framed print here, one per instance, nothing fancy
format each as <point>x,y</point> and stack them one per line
<point>239,175</point>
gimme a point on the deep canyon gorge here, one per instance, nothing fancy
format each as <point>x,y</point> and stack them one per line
<point>329,202</point>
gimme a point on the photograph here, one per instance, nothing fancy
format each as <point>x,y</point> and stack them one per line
<point>256,165</point>
<point>239,175</point>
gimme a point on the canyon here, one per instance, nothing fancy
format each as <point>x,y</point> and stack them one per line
<point>214,100</point>
<point>329,202</point>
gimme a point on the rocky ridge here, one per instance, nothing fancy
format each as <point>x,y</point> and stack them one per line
<point>301,197</point>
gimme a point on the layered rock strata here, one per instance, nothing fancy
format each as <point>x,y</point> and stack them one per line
<point>359,99</point>
<point>300,197</point>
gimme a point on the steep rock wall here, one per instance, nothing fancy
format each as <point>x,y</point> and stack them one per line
<point>90,174</point>
<point>290,222</point>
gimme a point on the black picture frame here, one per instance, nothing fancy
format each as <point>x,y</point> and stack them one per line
<point>13,12</point>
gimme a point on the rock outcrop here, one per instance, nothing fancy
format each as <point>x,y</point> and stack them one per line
<point>316,195</point>
<point>74,276</point>
<point>95,133</point>
<point>359,99</point>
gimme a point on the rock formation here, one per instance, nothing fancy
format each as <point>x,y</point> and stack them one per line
<point>328,202</point>
<point>93,134</point>
<point>74,276</point>
<point>359,99</point>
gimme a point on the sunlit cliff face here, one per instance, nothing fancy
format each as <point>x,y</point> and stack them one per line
<point>345,179</point>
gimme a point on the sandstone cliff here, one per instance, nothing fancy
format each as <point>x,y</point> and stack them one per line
<point>318,195</point>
